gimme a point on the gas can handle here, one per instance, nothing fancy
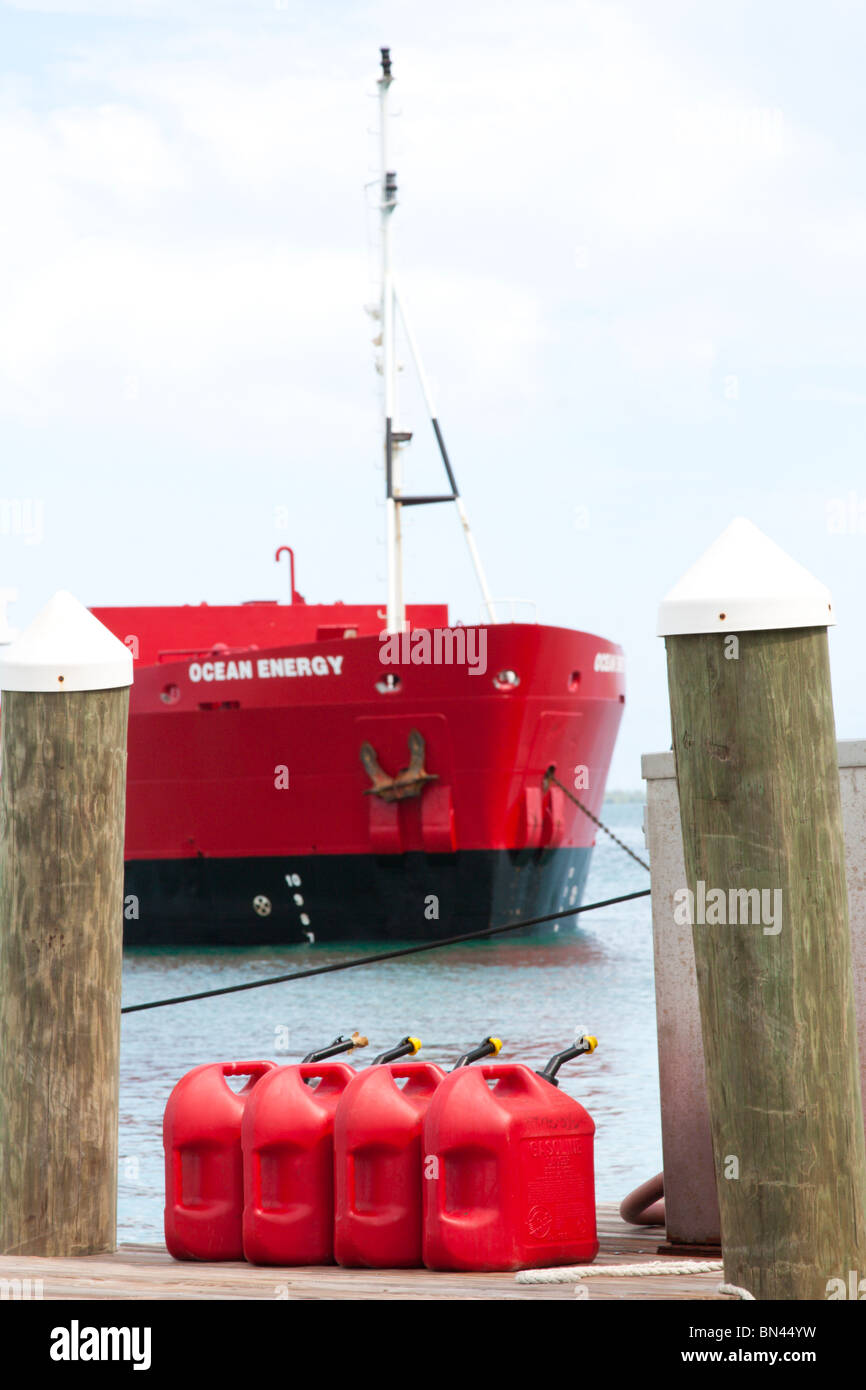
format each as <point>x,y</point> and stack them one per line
<point>325,1071</point>
<point>512,1076</point>
<point>254,1070</point>
<point>415,1071</point>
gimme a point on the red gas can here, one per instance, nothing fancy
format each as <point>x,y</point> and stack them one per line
<point>288,1145</point>
<point>204,1193</point>
<point>377,1150</point>
<point>510,1172</point>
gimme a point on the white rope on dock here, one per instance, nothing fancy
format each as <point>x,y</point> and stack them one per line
<point>734,1291</point>
<point>569,1274</point>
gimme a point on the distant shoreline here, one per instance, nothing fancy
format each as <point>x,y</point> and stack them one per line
<point>618,797</point>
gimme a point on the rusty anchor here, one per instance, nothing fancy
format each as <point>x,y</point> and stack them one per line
<point>410,781</point>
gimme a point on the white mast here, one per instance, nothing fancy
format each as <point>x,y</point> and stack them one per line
<point>388,202</point>
<point>395,438</point>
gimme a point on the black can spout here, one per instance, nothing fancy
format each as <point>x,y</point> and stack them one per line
<point>490,1047</point>
<point>407,1047</point>
<point>340,1044</point>
<point>584,1042</point>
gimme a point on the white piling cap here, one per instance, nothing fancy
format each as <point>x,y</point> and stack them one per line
<point>744,583</point>
<point>65,648</point>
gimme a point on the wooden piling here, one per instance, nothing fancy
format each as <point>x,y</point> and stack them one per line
<point>755,750</point>
<point>62,791</point>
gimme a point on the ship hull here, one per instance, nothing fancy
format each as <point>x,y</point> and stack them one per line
<point>269,748</point>
<point>411,897</point>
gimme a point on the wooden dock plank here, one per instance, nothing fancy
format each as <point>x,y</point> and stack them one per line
<point>136,1272</point>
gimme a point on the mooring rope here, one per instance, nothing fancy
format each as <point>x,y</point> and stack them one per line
<point>383,955</point>
<point>550,776</point>
<point>568,1274</point>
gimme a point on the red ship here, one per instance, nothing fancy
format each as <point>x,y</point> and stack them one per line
<point>321,772</point>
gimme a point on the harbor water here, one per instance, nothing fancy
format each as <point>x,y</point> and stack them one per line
<point>595,973</point>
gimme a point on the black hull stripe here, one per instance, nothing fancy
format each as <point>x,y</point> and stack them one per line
<point>411,897</point>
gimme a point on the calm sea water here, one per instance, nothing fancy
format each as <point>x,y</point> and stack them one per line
<point>597,974</point>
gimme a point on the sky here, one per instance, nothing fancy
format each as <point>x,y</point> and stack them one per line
<point>632,238</point>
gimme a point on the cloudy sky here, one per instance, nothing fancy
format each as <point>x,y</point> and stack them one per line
<point>632,236</point>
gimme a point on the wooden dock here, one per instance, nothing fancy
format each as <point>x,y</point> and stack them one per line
<point>149,1272</point>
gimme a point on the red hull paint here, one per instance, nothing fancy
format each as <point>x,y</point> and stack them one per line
<point>227,697</point>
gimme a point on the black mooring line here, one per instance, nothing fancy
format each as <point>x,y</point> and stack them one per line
<point>383,955</point>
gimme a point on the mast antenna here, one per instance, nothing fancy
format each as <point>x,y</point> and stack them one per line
<point>395,438</point>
